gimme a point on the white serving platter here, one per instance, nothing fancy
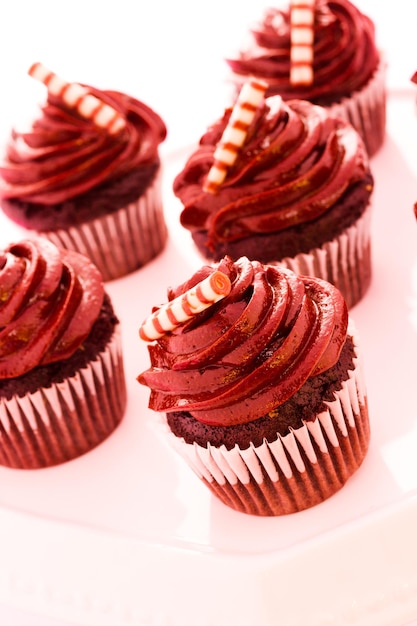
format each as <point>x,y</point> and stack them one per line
<point>127,535</point>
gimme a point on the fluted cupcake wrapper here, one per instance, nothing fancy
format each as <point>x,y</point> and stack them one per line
<point>366,110</point>
<point>119,243</point>
<point>297,470</point>
<point>61,422</point>
<point>345,261</point>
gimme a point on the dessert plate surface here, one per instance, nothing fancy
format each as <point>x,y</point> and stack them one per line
<point>128,535</point>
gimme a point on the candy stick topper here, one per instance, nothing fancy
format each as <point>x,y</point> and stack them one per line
<point>78,97</point>
<point>184,307</point>
<point>234,135</point>
<point>302,40</point>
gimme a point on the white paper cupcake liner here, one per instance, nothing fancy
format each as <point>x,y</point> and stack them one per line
<point>345,261</point>
<point>366,110</point>
<point>297,470</point>
<point>67,419</point>
<point>119,243</point>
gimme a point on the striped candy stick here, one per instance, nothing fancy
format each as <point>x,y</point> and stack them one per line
<point>177,311</point>
<point>78,97</point>
<point>302,40</point>
<point>234,135</point>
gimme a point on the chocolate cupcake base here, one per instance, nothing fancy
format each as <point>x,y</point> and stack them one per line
<point>290,472</point>
<point>121,242</point>
<point>66,419</point>
<point>345,260</point>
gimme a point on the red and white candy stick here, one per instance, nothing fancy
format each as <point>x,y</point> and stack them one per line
<point>302,40</point>
<point>174,313</point>
<point>78,97</point>
<point>234,135</point>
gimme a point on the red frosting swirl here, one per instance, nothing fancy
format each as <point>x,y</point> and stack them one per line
<point>250,352</point>
<point>294,166</point>
<point>64,155</point>
<point>345,54</point>
<point>49,301</point>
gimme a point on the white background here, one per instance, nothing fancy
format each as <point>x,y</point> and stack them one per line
<point>168,54</point>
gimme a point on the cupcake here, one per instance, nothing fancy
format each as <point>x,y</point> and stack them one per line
<point>298,192</point>
<point>86,175</point>
<point>338,42</point>
<point>260,389</point>
<point>62,386</point>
